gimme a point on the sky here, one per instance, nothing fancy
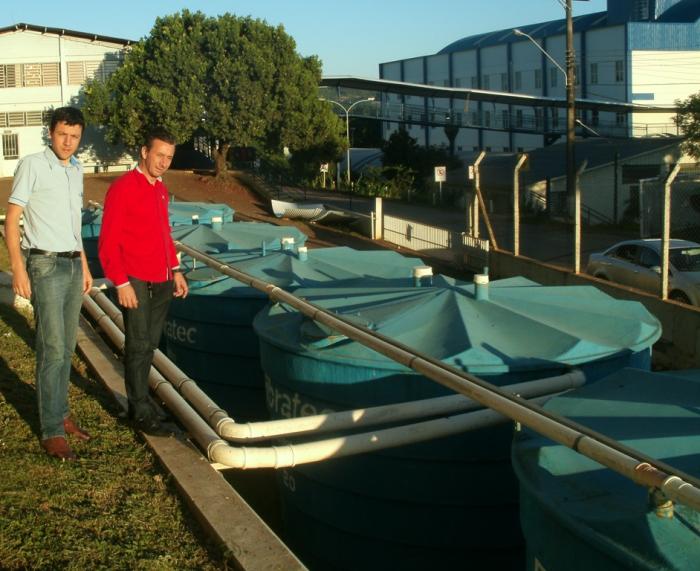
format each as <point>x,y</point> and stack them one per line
<point>351,37</point>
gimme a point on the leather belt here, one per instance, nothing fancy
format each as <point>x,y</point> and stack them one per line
<point>38,252</point>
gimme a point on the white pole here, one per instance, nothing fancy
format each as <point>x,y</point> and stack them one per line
<point>577,218</point>
<point>516,204</point>
<point>666,230</point>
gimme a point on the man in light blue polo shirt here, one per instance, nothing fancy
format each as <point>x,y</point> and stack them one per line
<point>48,189</point>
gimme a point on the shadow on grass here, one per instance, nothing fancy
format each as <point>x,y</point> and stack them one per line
<point>20,394</point>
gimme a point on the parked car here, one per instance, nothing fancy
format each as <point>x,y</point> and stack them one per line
<point>637,263</point>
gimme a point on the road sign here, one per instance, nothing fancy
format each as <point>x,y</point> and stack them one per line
<point>440,174</point>
<point>324,167</point>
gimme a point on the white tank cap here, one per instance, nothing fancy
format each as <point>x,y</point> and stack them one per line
<point>422,271</point>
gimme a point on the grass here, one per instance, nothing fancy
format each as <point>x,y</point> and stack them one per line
<point>114,508</point>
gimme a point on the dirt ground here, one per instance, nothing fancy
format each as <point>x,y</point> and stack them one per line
<point>194,187</point>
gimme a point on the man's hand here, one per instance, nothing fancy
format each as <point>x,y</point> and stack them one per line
<point>87,276</point>
<point>127,297</point>
<point>87,281</point>
<point>20,282</point>
<point>180,287</point>
<point>20,278</point>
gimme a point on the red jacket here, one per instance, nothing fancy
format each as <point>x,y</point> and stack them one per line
<point>135,236</point>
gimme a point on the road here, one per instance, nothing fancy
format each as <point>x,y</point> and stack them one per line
<point>547,241</point>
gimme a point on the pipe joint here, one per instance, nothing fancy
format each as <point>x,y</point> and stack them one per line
<point>661,504</point>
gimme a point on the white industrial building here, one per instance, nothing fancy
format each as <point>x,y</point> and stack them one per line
<point>43,68</point>
<point>636,52</point>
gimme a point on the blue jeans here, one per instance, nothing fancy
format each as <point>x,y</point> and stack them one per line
<point>143,328</point>
<point>57,292</point>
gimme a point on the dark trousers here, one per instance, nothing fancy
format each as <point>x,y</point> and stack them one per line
<point>143,329</point>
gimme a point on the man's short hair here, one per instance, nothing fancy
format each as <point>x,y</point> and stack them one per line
<point>159,133</point>
<point>68,115</point>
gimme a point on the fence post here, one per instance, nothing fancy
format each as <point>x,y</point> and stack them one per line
<point>378,219</point>
<point>577,218</point>
<point>475,205</point>
<point>516,203</point>
<point>666,231</point>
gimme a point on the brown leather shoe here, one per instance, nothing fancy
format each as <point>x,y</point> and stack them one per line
<point>57,446</point>
<point>71,428</point>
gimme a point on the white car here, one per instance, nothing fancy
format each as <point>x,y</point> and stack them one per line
<point>637,263</point>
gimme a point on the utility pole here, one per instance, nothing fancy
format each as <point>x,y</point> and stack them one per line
<point>572,190</point>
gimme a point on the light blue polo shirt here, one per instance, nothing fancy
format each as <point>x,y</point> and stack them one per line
<point>51,195</point>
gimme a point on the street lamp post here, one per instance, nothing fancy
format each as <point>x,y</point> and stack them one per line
<point>346,110</point>
<point>572,190</point>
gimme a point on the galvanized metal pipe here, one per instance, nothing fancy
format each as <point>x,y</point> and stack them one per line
<point>577,217</point>
<point>289,455</point>
<point>229,429</point>
<point>596,446</point>
<point>516,203</point>
<point>666,230</point>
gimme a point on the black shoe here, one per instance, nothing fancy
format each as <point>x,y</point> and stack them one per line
<point>158,412</point>
<point>151,426</point>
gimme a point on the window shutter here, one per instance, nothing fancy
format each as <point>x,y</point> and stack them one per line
<point>15,119</point>
<point>50,73</point>
<point>76,72</point>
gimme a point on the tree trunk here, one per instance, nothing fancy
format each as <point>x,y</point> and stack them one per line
<point>220,156</point>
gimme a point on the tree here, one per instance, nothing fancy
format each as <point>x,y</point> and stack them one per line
<point>688,120</point>
<point>238,81</point>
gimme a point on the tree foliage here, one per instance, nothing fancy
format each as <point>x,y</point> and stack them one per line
<point>688,120</point>
<point>238,81</point>
<point>402,150</point>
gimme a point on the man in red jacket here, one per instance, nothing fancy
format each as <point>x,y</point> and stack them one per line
<point>138,256</point>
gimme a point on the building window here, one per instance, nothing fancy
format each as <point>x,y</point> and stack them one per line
<point>518,80</point>
<point>504,82</point>
<point>34,118</point>
<point>10,146</point>
<point>80,71</point>
<point>555,118</point>
<point>458,82</point>
<point>538,118</point>
<point>485,82</point>
<point>538,79</point>
<point>24,118</point>
<point>619,72</point>
<point>29,75</point>
<point>519,118</point>
<point>553,71</point>
<point>9,74</point>
<point>594,117</point>
<point>474,82</point>
<point>594,73</point>
<point>505,119</point>
<point>487,118</point>
<point>620,118</point>
<point>577,79</point>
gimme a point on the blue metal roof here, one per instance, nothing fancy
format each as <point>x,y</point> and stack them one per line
<point>543,29</point>
<point>677,27</point>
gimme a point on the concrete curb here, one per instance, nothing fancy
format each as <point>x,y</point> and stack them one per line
<point>222,512</point>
